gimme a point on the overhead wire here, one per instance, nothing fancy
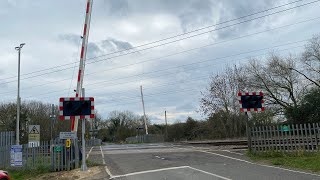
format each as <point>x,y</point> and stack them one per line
<point>175,40</point>
<point>181,52</point>
<point>101,84</point>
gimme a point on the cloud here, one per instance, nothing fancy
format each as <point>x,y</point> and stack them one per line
<point>70,38</point>
<point>93,50</point>
<point>198,14</point>
<point>118,7</point>
<point>187,106</point>
<point>51,30</point>
<point>112,45</point>
<point>106,46</point>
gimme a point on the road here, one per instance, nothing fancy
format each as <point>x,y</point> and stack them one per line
<point>179,162</point>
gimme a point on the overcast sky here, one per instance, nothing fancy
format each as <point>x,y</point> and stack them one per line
<point>172,75</point>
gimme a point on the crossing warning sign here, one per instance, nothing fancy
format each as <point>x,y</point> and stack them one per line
<point>34,135</point>
<point>35,129</point>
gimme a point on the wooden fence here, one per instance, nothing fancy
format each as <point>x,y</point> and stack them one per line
<point>294,137</point>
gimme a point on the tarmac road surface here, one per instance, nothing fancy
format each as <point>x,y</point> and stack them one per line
<point>179,162</point>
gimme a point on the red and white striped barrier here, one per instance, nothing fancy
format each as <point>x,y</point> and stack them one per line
<point>85,36</point>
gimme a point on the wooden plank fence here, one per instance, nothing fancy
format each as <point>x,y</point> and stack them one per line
<point>287,138</point>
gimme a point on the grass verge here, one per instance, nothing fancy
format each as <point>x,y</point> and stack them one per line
<point>299,160</point>
<point>92,163</point>
<point>18,174</point>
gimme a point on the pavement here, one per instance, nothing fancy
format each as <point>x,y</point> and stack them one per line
<point>185,162</point>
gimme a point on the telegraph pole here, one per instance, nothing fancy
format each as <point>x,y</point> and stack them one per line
<point>18,48</point>
<point>144,111</point>
<point>165,116</point>
<point>52,119</point>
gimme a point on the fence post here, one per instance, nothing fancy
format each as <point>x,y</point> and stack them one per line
<point>288,144</point>
<point>274,139</point>
<point>290,134</point>
<point>256,145</point>
<point>317,135</point>
<point>298,135</point>
<point>306,136</point>
<point>310,137</point>
<point>278,139</point>
<point>294,139</point>
<point>260,137</point>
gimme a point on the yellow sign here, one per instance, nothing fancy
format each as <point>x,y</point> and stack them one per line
<point>68,143</point>
<point>34,133</point>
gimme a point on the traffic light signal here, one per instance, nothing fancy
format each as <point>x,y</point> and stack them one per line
<point>76,108</point>
<point>251,101</point>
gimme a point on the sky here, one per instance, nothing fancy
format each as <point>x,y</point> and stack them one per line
<point>175,46</point>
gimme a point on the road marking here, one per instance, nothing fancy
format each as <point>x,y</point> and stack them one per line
<point>159,157</point>
<point>233,152</point>
<point>108,172</point>
<point>89,152</point>
<point>104,162</point>
<point>258,164</point>
<point>101,152</point>
<point>149,171</point>
<point>165,169</point>
<point>209,173</point>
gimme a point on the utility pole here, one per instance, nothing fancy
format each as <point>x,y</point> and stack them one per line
<point>248,131</point>
<point>144,111</point>
<point>18,48</point>
<point>52,119</point>
<point>165,116</point>
<point>84,165</point>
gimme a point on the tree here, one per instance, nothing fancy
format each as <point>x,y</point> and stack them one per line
<point>221,98</point>
<point>32,113</point>
<point>311,59</point>
<point>281,85</point>
<point>189,128</point>
<point>122,124</point>
<point>221,94</point>
<point>308,110</point>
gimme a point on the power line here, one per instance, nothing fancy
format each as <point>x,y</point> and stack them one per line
<point>74,67</point>
<point>177,36</point>
<point>192,49</point>
<point>181,52</point>
<point>196,30</point>
<point>208,60</point>
<point>100,83</point>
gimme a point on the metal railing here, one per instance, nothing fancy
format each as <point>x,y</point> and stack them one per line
<point>51,154</point>
<point>148,138</point>
<point>7,138</point>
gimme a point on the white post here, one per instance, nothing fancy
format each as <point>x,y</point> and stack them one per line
<point>144,111</point>
<point>165,116</point>
<point>84,165</point>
